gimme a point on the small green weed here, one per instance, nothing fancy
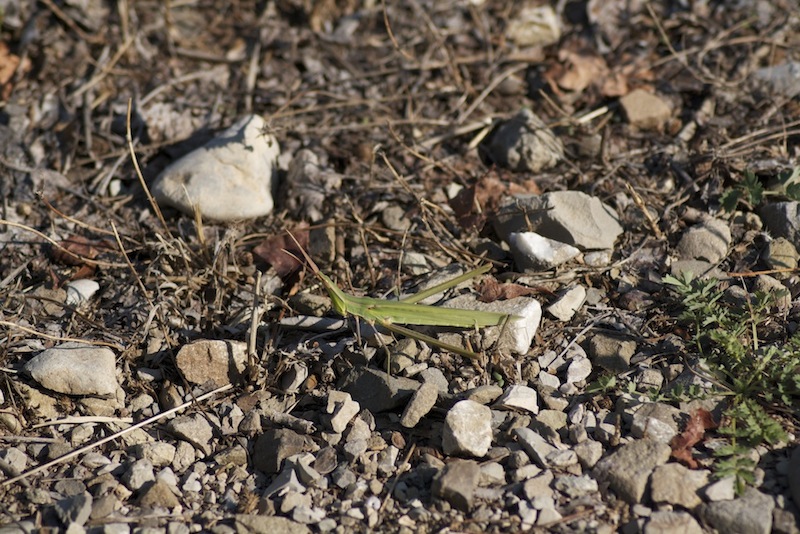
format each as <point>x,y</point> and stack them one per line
<point>752,373</point>
<point>605,383</point>
<point>751,191</point>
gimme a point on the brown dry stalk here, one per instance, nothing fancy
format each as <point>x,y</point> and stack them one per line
<point>57,245</point>
<point>62,339</point>
<point>153,203</point>
<point>637,199</point>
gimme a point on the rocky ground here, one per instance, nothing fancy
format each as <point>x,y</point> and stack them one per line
<point>629,170</point>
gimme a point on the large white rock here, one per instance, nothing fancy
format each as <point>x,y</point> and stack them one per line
<point>533,252</point>
<point>520,397</point>
<point>467,429</point>
<point>571,217</point>
<point>75,369</point>
<point>229,178</point>
<point>568,303</point>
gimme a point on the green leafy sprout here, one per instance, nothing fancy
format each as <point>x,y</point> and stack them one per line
<point>753,373</point>
<point>751,191</point>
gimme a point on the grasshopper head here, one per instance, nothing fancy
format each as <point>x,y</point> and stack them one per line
<point>336,294</point>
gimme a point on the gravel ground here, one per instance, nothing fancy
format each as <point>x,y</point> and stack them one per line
<point>171,363</point>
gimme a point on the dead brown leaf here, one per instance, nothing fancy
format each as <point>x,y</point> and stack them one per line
<point>8,66</point>
<point>75,249</point>
<point>282,252</point>
<point>583,69</point>
<point>474,204</point>
<point>699,421</point>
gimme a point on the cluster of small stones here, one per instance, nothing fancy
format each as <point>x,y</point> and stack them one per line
<point>367,454</point>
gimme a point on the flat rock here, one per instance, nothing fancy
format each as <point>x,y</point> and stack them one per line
<point>467,429</point>
<point>519,397</point>
<point>535,445</point>
<point>675,484</point>
<point>420,404</point>
<point>781,254</point>
<point>219,362</point>
<point>456,483</point>
<point>671,522</point>
<point>195,429</point>
<point>534,26</point>
<point>656,420</point>
<point>723,489</point>
<point>568,303</point>
<point>575,487</point>
<point>15,459</point>
<point>534,253</point>
<point>492,473</point>
<point>74,509</point>
<point>158,494</point>
<point>749,514</point>
<point>627,470</point>
<point>706,241</point>
<point>483,394</point>
<point>553,419</point>
<point>377,391</point>
<point>570,217</point>
<point>75,369</point>
<point>612,353</point>
<point>539,485</point>
<point>158,453</point>
<point>782,79</point>
<point>782,219</point>
<point>256,524</point>
<point>342,409</point>
<point>436,377</point>
<point>138,474</point>
<point>645,110</point>
<point>307,185</point>
<point>524,143</point>
<point>229,178</point>
<point>548,381</point>
<point>274,446</point>
<point>589,452</point>
<point>579,369</point>
<point>80,291</point>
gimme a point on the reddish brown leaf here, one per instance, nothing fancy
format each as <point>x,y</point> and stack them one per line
<point>74,249</point>
<point>472,205</point>
<point>699,421</point>
<point>584,69</point>
<point>463,205</point>
<point>9,64</point>
<point>282,252</point>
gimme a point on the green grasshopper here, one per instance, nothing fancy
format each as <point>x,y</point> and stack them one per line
<point>391,314</point>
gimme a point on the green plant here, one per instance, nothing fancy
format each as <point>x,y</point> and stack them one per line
<point>605,383</point>
<point>754,374</point>
<point>677,393</point>
<point>752,191</point>
<point>748,425</point>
